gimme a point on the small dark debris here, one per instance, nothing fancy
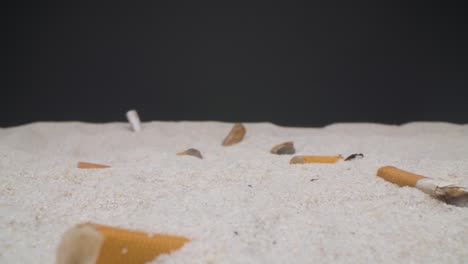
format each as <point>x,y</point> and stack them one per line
<point>274,242</point>
<point>236,233</point>
<point>250,186</point>
<point>313,180</point>
<point>355,156</point>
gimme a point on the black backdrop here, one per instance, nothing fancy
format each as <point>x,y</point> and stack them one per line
<point>289,63</point>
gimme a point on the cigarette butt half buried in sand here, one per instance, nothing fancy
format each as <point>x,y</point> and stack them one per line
<point>284,148</point>
<point>235,136</point>
<point>191,152</point>
<point>99,244</point>
<point>89,165</point>
<point>314,159</point>
<point>448,192</point>
<point>134,120</point>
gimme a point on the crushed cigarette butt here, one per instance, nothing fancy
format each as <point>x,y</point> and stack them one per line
<point>355,156</point>
<point>191,152</point>
<point>448,192</point>
<point>99,244</point>
<point>284,148</point>
<point>89,165</point>
<point>235,136</point>
<point>314,159</point>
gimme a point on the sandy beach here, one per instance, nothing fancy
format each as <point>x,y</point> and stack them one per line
<point>239,204</point>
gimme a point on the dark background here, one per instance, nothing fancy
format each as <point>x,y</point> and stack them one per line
<point>300,64</point>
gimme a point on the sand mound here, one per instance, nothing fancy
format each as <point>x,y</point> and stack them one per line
<point>240,204</point>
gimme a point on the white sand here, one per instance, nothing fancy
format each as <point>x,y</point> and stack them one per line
<point>348,215</point>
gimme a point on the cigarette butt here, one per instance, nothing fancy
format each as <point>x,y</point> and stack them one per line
<point>88,165</point>
<point>235,136</point>
<point>191,152</point>
<point>283,148</point>
<point>446,191</point>
<point>399,177</point>
<point>100,244</point>
<point>134,120</point>
<point>314,159</point>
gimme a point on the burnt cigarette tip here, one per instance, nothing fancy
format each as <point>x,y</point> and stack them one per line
<point>297,160</point>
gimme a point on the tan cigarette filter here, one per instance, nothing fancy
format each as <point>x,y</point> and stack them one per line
<point>399,177</point>
<point>88,165</point>
<point>100,244</point>
<point>235,136</point>
<point>191,152</point>
<point>314,159</point>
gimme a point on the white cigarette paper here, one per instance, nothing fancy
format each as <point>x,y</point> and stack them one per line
<point>134,120</point>
<point>447,191</point>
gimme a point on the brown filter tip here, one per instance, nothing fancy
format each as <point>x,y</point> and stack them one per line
<point>297,160</point>
<point>191,152</point>
<point>284,148</point>
<point>235,136</point>
<point>88,165</point>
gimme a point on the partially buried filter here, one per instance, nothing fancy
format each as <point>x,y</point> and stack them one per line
<point>235,136</point>
<point>285,148</point>
<point>314,159</point>
<point>191,152</point>
<point>89,165</point>
<point>100,244</point>
<point>134,120</point>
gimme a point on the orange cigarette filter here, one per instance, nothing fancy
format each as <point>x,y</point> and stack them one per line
<point>399,177</point>
<point>101,244</point>
<point>314,159</point>
<point>449,192</point>
<point>88,165</point>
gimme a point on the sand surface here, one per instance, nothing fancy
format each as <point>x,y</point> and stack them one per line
<point>240,204</point>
